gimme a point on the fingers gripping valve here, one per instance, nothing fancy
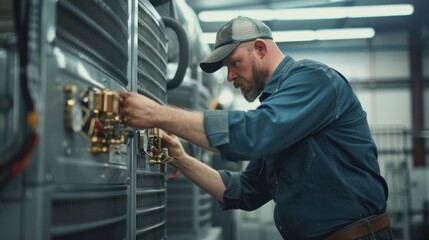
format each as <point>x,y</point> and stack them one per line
<point>150,142</point>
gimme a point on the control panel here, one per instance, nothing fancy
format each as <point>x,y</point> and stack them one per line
<point>96,115</point>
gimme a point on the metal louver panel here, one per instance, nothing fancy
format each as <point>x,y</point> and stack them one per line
<point>97,30</point>
<point>93,214</point>
<point>189,210</point>
<point>6,16</point>
<point>67,191</point>
<point>190,95</point>
<point>150,205</point>
<point>152,54</point>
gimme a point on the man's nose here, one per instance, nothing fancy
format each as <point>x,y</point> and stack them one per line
<point>231,76</point>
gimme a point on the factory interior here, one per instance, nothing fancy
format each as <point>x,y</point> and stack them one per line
<point>72,168</point>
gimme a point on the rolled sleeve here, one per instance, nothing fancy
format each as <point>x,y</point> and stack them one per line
<point>216,127</point>
<point>232,193</point>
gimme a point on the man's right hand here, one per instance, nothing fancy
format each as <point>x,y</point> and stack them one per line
<point>138,110</point>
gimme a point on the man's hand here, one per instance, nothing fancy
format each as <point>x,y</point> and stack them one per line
<point>138,110</point>
<point>141,112</point>
<point>201,174</point>
<point>175,148</point>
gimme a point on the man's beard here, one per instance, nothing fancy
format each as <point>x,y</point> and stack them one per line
<point>252,91</point>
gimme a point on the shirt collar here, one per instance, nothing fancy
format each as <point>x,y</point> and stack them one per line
<point>276,77</point>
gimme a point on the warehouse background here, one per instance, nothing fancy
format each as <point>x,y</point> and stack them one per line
<point>79,173</point>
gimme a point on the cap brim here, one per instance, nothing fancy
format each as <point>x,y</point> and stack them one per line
<point>213,61</point>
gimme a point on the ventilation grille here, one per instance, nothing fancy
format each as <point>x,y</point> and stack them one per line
<point>150,205</point>
<point>97,31</point>
<point>189,208</point>
<point>89,214</point>
<point>190,95</point>
<point>6,16</point>
<point>152,55</point>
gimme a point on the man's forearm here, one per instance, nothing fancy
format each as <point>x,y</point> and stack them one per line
<point>142,112</point>
<point>185,124</point>
<point>202,175</point>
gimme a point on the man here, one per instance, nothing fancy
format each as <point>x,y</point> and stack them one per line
<point>309,143</point>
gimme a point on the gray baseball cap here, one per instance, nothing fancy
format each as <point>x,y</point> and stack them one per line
<point>229,36</point>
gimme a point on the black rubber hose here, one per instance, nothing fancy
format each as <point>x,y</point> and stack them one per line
<point>21,141</point>
<point>183,52</point>
<point>156,3</point>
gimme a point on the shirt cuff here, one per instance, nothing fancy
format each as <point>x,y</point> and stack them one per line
<point>231,196</point>
<point>216,127</point>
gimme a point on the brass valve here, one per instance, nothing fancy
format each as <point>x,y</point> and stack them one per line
<point>111,102</point>
<point>150,142</point>
<point>97,112</point>
<point>73,112</point>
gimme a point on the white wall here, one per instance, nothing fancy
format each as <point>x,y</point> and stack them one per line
<point>365,61</point>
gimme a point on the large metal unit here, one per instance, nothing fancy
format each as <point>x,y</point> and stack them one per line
<point>149,191</point>
<point>86,177</point>
<point>73,188</point>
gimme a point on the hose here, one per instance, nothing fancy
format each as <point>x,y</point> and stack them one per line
<point>15,161</point>
<point>183,52</point>
<point>158,2</point>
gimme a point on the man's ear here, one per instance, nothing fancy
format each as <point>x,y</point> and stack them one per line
<point>260,47</point>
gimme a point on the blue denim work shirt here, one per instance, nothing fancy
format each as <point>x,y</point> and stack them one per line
<point>310,150</point>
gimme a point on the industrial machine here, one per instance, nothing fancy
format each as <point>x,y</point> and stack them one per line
<point>69,167</point>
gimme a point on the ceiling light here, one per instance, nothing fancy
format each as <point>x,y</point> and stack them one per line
<point>344,33</point>
<point>310,13</point>
<point>311,35</point>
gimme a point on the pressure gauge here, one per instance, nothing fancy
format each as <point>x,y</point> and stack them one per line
<point>143,140</point>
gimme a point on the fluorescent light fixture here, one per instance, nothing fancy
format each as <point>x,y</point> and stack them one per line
<point>345,33</point>
<point>311,35</point>
<point>310,13</point>
<point>209,37</point>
